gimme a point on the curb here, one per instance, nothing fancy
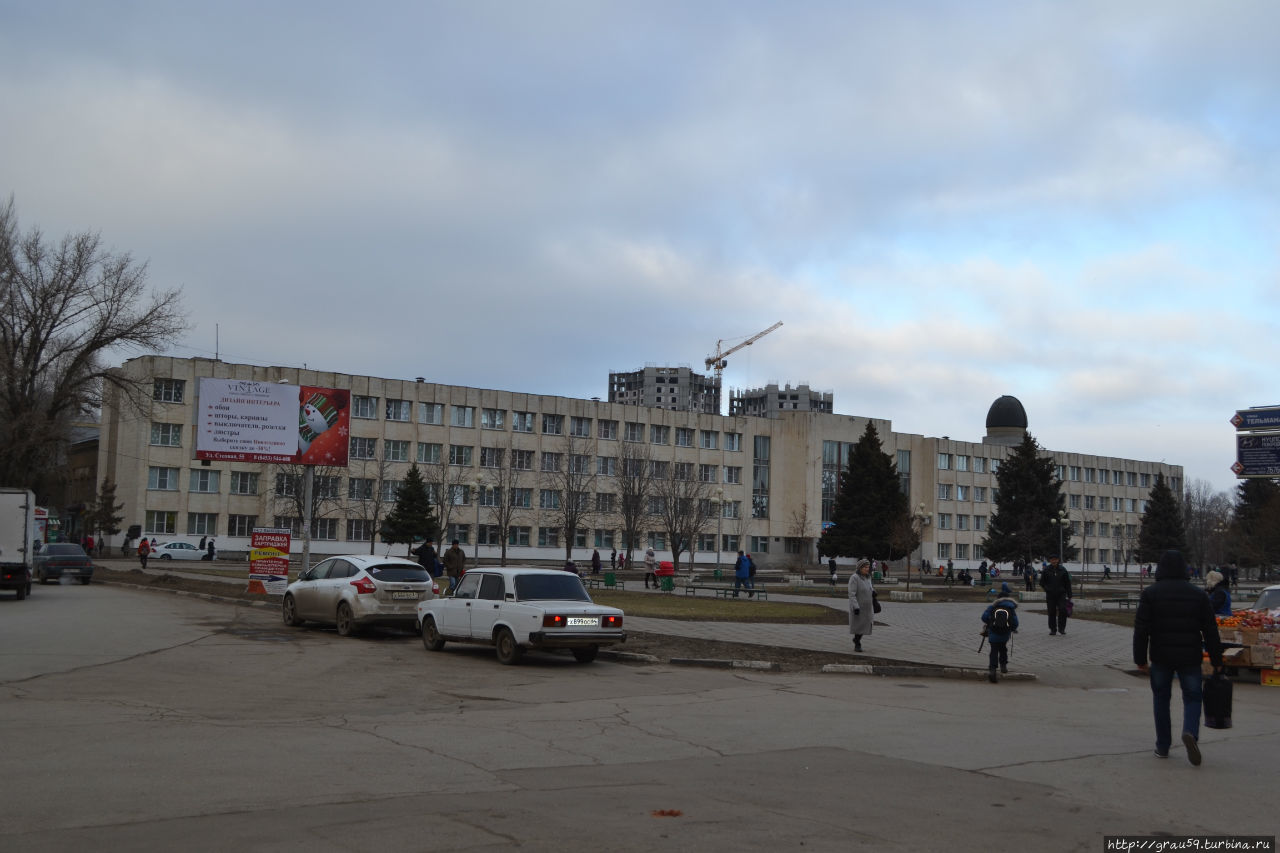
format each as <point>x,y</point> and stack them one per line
<point>627,657</point>
<point>188,594</point>
<point>923,672</point>
<point>722,663</point>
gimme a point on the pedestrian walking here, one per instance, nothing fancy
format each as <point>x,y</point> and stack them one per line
<point>650,568</point>
<point>742,576</point>
<point>1173,626</point>
<point>210,551</point>
<point>1029,576</point>
<point>613,559</point>
<point>144,551</point>
<point>1001,620</point>
<point>1056,583</point>
<point>861,604</point>
<point>831,566</point>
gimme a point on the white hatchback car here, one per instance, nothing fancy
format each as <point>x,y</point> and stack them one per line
<point>514,609</point>
<point>356,590</point>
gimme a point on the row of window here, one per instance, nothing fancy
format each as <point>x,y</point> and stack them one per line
<point>1089,556</point>
<point>976,464</point>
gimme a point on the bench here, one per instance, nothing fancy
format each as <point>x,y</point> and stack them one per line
<point>607,582</point>
<point>1126,602</point>
<point>722,591</point>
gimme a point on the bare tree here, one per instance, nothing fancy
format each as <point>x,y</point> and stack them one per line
<point>448,486</point>
<point>63,307</point>
<point>572,484</point>
<point>635,478</point>
<point>288,496</point>
<point>1205,513</point>
<point>498,496</point>
<point>368,499</point>
<point>799,529</point>
<point>683,507</point>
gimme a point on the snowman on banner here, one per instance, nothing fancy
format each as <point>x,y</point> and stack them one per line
<point>315,417</point>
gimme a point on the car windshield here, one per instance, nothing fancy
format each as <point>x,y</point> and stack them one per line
<point>388,572</point>
<point>1269,600</point>
<point>558,587</point>
<point>64,550</point>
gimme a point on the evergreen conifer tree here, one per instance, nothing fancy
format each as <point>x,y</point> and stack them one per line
<point>1162,526</point>
<point>411,518</point>
<point>1255,530</point>
<point>102,516</point>
<point>870,505</point>
<point>1029,498</point>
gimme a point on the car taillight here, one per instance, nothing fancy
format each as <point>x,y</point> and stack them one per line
<point>552,621</point>
<point>364,586</point>
<point>612,621</point>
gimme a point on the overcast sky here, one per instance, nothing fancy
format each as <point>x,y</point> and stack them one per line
<point>1075,203</point>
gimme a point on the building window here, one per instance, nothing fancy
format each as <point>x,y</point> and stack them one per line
<point>980,494</point>
<point>326,487</point>
<point>398,410</point>
<point>162,479</point>
<point>244,483</point>
<point>521,498</point>
<point>548,499</point>
<point>979,523</point>
<point>518,536</point>
<point>683,471</point>
<point>759,545</point>
<point>607,466</point>
<point>657,540</point>
<point>944,461</point>
<point>162,522</point>
<point>607,430</point>
<point>995,466</point>
<point>325,529</point>
<point>241,525</point>
<point>548,537</point>
<point>489,534</point>
<point>359,530</point>
<point>462,416</point>
<point>1073,501</point>
<point>708,473</point>
<point>552,424</point>
<point>363,448</point>
<point>491,457</point>
<point>552,461</point>
<point>605,501</point>
<point>659,434</point>
<point>168,390</point>
<point>604,538</point>
<point>962,493</point>
<point>733,441</point>
<point>944,521</point>
<point>166,435</point>
<point>633,431</point>
<point>492,418</point>
<point>289,522</point>
<point>286,485</point>
<point>1090,501</point>
<point>360,489</point>
<point>944,491</point>
<point>1073,472</point>
<point>731,509</point>
<point>962,463</point>
<point>962,551</point>
<point>733,474</point>
<point>706,542</point>
<point>522,421</point>
<point>729,542</point>
<point>944,550</point>
<point>1145,480</point>
<point>364,407</point>
<point>962,522</point>
<point>522,460</point>
<point>710,439</point>
<point>204,481</point>
<point>460,533</point>
<point>202,524</point>
<point>580,427</point>
<point>684,437</point>
<point>979,464</point>
<point>391,490</point>
<point>429,453</point>
<point>658,470</point>
<point>460,454</point>
<point>431,413</point>
<point>396,451</point>
<point>579,463</point>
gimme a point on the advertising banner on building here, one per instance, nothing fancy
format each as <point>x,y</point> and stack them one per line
<point>241,420</point>
<point>269,560</point>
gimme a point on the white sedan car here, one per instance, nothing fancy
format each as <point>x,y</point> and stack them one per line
<point>177,551</point>
<point>514,609</point>
<point>356,590</point>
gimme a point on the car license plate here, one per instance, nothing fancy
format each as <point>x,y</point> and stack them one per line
<point>583,622</point>
<point>404,595</point>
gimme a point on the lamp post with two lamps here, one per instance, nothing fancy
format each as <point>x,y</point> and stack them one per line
<point>1062,522</point>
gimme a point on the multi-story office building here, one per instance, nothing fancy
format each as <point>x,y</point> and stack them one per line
<point>769,401</point>
<point>675,388</point>
<point>772,480</point>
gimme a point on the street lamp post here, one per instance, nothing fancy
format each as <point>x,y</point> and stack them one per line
<point>1062,522</point>
<point>719,525</point>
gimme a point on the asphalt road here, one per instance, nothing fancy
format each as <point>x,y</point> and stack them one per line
<point>142,721</point>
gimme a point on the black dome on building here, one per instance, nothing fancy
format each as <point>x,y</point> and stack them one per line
<point>1007,413</point>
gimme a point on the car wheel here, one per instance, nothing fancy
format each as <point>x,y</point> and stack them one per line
<point>431,635</point>
<point>166,556</point>
<point>586,654</point>
<point>509,651</point>
<point>23,591</point>
<point>346,620</point>
<point>289,610</point>
<point>41,579</point>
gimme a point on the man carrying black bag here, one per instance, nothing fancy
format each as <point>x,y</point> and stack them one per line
<point>1174,623</point>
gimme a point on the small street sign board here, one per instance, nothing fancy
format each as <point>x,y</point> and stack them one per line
<point>1257,419</point>
<point>1257,456</point>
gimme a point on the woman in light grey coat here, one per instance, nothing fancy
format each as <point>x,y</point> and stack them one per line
<point>860,608</point>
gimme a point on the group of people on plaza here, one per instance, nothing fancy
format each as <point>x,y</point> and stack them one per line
<point>452,564</point>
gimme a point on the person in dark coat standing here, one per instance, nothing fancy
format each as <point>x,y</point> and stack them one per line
<point>595,562</point>
<point>742,575</point>
<point>1219,590</point>
<point>1174,623</point>
<point>427,557</point>
<point>1056,584</point>
<point>455,564</point>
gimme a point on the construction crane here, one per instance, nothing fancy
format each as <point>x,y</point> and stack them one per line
<point>717,361</point>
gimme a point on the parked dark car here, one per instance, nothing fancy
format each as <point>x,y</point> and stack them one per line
<point>63,558</point>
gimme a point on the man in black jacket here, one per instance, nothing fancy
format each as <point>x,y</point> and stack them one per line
<point>1056,584</point>
<point>1174,623</point>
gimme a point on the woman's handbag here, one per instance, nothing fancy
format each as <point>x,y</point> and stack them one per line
<point>1217,702</point>
<point>875,602</point>
<point>1069,606</point>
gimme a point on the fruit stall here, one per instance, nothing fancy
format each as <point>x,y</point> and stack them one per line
<point>1252,641</point>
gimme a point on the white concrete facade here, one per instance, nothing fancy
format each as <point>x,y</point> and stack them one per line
<point>151,458</point>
